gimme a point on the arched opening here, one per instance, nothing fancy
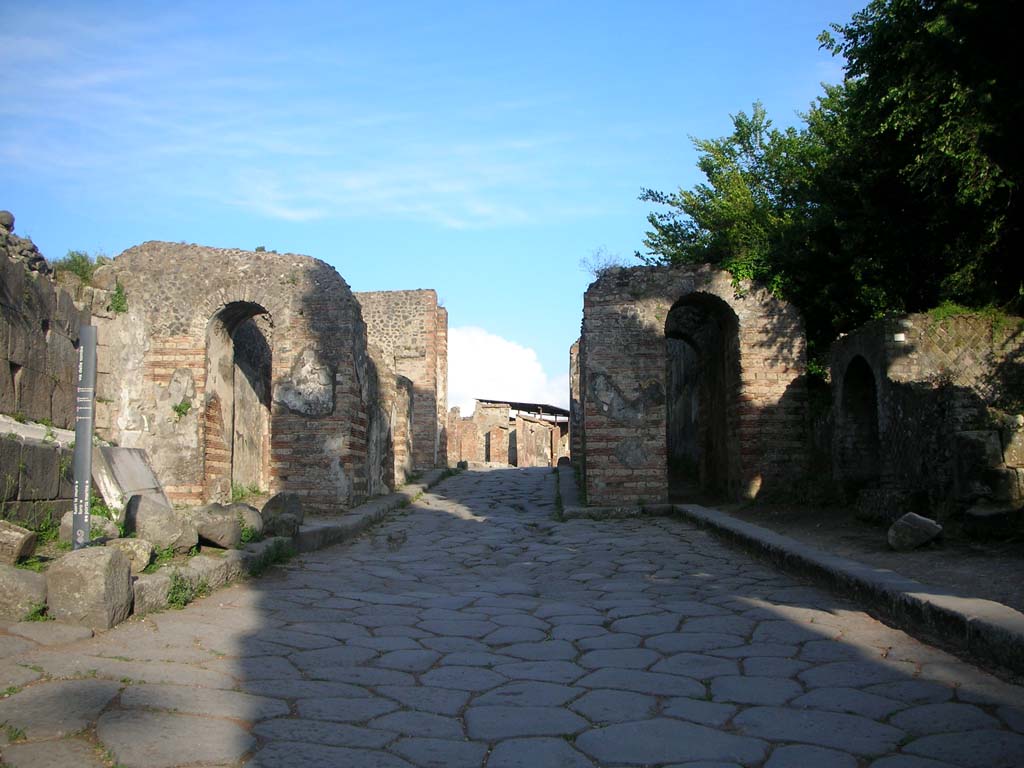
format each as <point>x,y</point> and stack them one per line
<point>702,381</point>
<point>860,459</point>
<point>236,405</point>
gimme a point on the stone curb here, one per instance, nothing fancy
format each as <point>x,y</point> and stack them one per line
<point>983,629</point>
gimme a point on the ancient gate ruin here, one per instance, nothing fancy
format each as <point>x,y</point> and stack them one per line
<point>242,370</point>
<point>685,383</point>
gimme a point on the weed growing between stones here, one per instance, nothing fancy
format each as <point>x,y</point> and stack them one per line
<point>10,691</point>
<point>250,534</point>
<point>118,301</point>
<point>37,613</point>
<point>278,552</point>
<point>161,557</point>
<point>181,409</point>
<point>32,563</point>
<point>13,732</point>
<point>183,592</point>
<point>241,493</point>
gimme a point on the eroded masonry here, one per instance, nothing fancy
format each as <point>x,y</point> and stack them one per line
<point>233,370</point>
<point>511,434</point>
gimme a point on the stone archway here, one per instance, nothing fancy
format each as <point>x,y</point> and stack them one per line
<point>702,380</point>
<point>236,406</point>
<point>859,437</point>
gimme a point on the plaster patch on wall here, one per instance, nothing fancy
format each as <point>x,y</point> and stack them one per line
<point>310,387</point>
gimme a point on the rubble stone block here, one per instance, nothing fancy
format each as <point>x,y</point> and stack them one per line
<point>15,542</point>
<point>39,478</point>
<point>281,525</point>
<point>91,587</point>
<point>138,551</point>
<point>150,592</point>
<point>217,525</point>
<point>20,592</point>
<point>248,516</point>
<point>161,526</point>
<point>912,531</point>
<point>281,504</point>
<point>108,528</point>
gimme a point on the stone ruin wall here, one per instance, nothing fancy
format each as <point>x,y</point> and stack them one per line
<point>166,381</point>
<point>575,450</point>
<point>39,326</point>
<point>757,348</point>
<point>411,332</point>
<point>491,436</point>
<point>924,414</point>
<point>534,442</point>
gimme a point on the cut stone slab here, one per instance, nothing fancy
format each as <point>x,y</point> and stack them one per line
<point>615,706</point>
<point>91,587</point>
<point>150,592</point>
<point>668,741</point>
<point>54,709</point>
<point>422,724</point>
<point>66,753</point>
<point>15,542</point>
<point>50,632</point>
<point>533,693</point>
<point>165,740</point>
<point>162,526</point>
<point>138,551</point>
<point>943,718</point>
<point>20,592</point>
<point>536,753</point>
<point>121,473</point>
<point>443,701</point>
<point>849,733</point>
<point>283,503</point>
<point>912,531</point>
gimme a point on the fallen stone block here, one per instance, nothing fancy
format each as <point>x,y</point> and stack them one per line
<point>121,473</point>
<point>91,587</point>
<point>21,591</point>
<point>108,528</point>
<point>281,525</point>
<point>249,517</point>
<point>138,551</point>
<point>150,592</point>
<point>217,525</point>
<point>203,569</point>
<point>283,504</point>
<point>912,531</point>
<point>161,526</point>
<point>15,542</point>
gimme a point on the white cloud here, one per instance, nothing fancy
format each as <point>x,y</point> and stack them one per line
<point>482,364</point>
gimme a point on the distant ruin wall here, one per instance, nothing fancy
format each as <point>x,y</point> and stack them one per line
<point>411,329</point>
<point>575,451</point>
<point>533,442</point>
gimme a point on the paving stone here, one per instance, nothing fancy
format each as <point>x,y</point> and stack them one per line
<point>66,753</point>
<point>510,635</point>
<point>643,682</point>
<point>529,694</point>
<point>576,632</point>
<point>441,753</point>
<point>773,667</point>
<point>463,678</point>
<point>656,624</point>
<point>663,741</point>
<point>548,671</point>
<point>454,645</point>
<point>699,711</point>
<point>630,658</point>
<point>50,632</point>
<point>335,656</point>
<point>942,718</point>
<point>848,700</point>
<point>57,708</point>
<point>799,756</point>
<point>474,629</point>
<point>443,701</point>
<point>615,706</point>
<point>913,691</point>
<point>849,733</point>
<point>408,661</point>
<point>536,753</point>
<point>696,666</point>
<point>678,642</point>
<point>1013,717</point>
<point>909,761</point>
<point>319,732</point>
<point>756,650</point>
<point>203,701</point>
<point>345,710</point>
<point>475,659</point>
<point>973,749</point>
<point>747,689</point>
<point>363,675</point>
<point>548,650</point>
<point>162,740</point>
<point>422,724</point>
<point>293,754</point>
<point>492,723</point>
<point>609,640</point>
<point>303,689</point>
<point>856,674</point>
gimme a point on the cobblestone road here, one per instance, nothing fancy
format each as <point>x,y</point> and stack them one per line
<point>474,630</point>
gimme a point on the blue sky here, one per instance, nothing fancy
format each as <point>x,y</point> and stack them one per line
<point>481,149</point>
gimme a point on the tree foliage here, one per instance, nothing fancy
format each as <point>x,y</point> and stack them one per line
<point>899,191</point>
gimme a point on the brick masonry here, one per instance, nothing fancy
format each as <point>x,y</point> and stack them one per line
<point>411,332</point>
<point>754,350</point>
<point>168,381</point>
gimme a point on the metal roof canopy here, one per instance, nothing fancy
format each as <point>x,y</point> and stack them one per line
<point>542,409</point>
